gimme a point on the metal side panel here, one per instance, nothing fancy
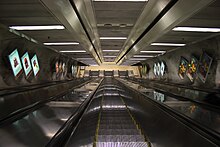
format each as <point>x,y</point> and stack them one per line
<point>65,13</point>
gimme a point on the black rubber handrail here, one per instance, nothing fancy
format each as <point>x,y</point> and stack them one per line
<point>214,108</point>
<point>152,24</point>
<point>30,108</point>
<point>217,91</point>
<point>210,134</point>
<point>28,85</point>
<point>32,87</point>
<point>84,27</point>
<point>63,134</point>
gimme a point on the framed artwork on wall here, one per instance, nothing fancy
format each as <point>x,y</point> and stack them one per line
<point>182,67</point>
<point>204,66</point>
<point>26,64</point>
<point>15,63</point>
<point>35,65</point>
<point>192,69</point>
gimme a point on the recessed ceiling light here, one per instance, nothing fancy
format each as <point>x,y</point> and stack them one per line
<point>50,27</point>
<point>110,50</point>
<point>94,65</point>
<point>143,56</point>
<point>120,0</point>
<point>168,44</point>
<point>196,29</point>
<point>76,51</point>
<point>137,59</point>
<point>153,51</point>
<point>113,38</point>
<point>61,43</point>
<point>109,56</point>
<point>85,59</point>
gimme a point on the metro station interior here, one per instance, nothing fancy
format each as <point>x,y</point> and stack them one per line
<point>110,73</point>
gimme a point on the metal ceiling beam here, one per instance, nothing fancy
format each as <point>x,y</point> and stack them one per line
<point>180,11</point>
<point>65,13</point>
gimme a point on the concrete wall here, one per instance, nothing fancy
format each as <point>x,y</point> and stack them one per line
<point>46,58</point>
<point>172,59</point>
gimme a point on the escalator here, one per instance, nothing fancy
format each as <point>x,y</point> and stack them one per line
<point>38,125</point>
<point>119,116</point>
<point>108,121</point>
<point>116,126</point>
<point>104,113</point>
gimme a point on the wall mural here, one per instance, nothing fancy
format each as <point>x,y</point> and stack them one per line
<point>195,67</point>
<point>74,70</point>
<point>159,69</point>
<point>15,63</point>
<point>204,66</point>
<point>35,65</point>
<point>192,69</point>
<point>182,67</point>
<point>144,69</point>
<point>28,65</point>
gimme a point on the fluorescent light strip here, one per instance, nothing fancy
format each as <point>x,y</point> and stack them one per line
<point>110,50</point>
<point>137,59</point>
<point>50,27</point>
<point>196,29</point>
<point>113,38</point>
<point>94,65</point>
<point>168,44</point>
<point>120,0</point>
<point>143,56</point>
<point>109,56</point>
<point>153,51</point>
<point>61,43</point>
<point>79,51</point>
<point>84,58</point>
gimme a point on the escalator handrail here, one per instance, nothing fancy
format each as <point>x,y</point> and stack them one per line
<point>27,109</point>
<point>207,105</point>
<point>69,127</point>
<point>196,126</point>
<point>180,85</point>
<point>31,87</point>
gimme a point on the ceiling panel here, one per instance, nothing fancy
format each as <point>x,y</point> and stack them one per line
<point>115,19</point>
<point>33,12</point>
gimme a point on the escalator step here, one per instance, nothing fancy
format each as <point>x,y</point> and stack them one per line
<point>118,132</point>
<point>121,144</point>
<point>117,126</point>
<point>121,138</point>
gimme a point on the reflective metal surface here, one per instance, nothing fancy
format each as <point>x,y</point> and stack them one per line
<point>107,121</point>
<point>202,115</point>
<point>38,127</point>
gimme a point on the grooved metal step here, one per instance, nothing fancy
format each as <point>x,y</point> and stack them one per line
<point>121,144</point>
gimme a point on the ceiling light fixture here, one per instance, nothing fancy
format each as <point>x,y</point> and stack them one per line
<point>113,38</point>
<point>61,43</point>
<point>137,59</point>
<point>85,59</point>
<point>109,56</point>
<point>76,51</point>
<point>120,0</point>
<point>153,52</point>
<point>143,56</point>
<point>93,65</point>
<point>110,50</point>
<point>196,29</point>
<point>168,44</point>
<point>51,27</point>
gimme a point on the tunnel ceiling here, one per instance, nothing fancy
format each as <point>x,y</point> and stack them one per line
<point>142,23</point>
